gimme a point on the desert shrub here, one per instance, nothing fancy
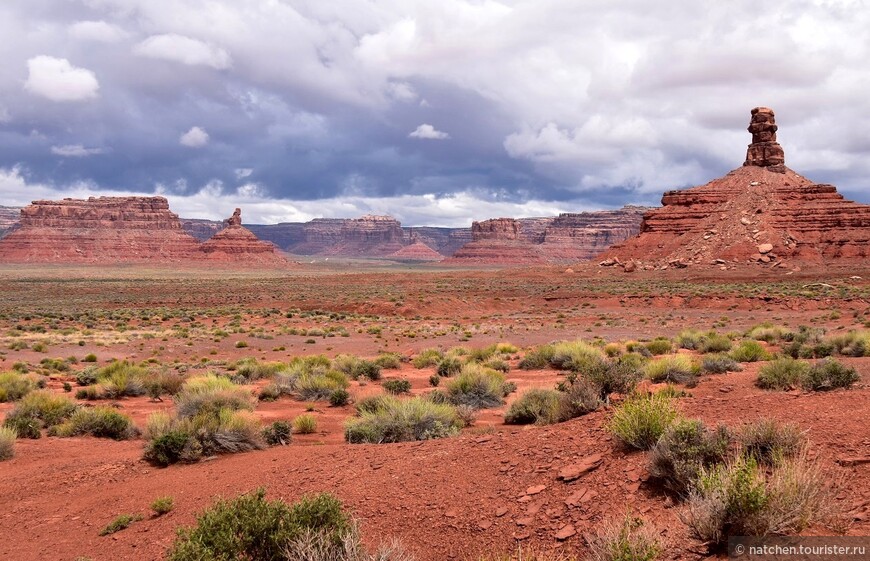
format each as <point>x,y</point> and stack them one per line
<point>641,420</point>
<point>355,368</point>
<point>713,342</point>
<point>477,386</point>
<point>660,346</point>
<point>620,375</point>
<point>749,351</point>
<point>121,522</point>
<point>829,374</point>
<point>498,364</point>
<point>448,366</point>
<point>121,379</point>
<point>579,397</point>
<point>170,447</point>
<point>251,527</point>
<point>684,449</point>
<point>688,339</point>
<point>339,397</point>
<point>719,364</point>
<point>388,361</point>
<point>769,442</point>
<point>163,383</point>
<point>538,358</point>
<point>101,422</point>
<point>395,420</point>
<point>89,393</point>
<point>7,443</point>
<point>537,405</point>
<point>90,357</point>
<point>740,499</point>
<point>783,373</point>
<point>14,386</point>
<point>279,433</point>
<point>162,505</point>
<point>311,362</point>
<point>397,387</point>
<point>427,357</point>
<point>576,356</point>
<point>209,394</point>
<point>434,380</point>
<point>250,369</point>
<point>318,385</point>
<point>269,392</point>
<point>38,410</point>
<point>305,424</point>
<point>853,343</point>
<point>467,415</point>
<point>678,368</point>
<point>374,403</point>
<point>87,377</point>
<point>770,333</point>
<point>626,539</point>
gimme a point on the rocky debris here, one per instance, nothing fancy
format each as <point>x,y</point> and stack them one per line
<point>565,532</point>
<point>237,243</point>
<point>417,251</point>
<point>758,214</point>
<point>764,151</point>
<point>579,469</point>
<point>99,229</point>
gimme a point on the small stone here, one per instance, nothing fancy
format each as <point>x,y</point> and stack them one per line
<point>522,535</point>
<point>535,489</point>
<point>565,532</point>
<point>527,521</point>
<point>452,513</point>
<point>745,221</point>
<point>854,461</point>
<point>579,469</point>
<point>484,524</point>
<point>765,248</point>
<point>500,511</point>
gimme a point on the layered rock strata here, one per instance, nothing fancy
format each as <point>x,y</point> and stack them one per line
<point>762,212</point>
<point>236,243</point>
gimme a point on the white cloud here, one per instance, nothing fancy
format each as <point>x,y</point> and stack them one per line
<point>429,132</point>
<point>99,31</point>
<point>242,173</point>
<point>194,138</point>
<point>75,151</point>
<point>58,80</point>
<point>179,48</point>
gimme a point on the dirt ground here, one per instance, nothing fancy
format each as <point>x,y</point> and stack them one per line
<point>460,498</point>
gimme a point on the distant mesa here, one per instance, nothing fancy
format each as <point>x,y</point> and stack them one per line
<point>122,230</point>
<point>762,213</point>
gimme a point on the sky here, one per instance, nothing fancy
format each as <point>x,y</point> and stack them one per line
<point>438,113</point>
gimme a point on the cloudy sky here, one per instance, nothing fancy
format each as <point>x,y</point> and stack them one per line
<point>435,112</point>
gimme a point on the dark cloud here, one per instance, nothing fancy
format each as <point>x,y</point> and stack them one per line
<point>525,107</point>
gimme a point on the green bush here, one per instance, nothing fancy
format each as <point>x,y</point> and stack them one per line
<point>397,387</point>
<point>626,539</point>
<point>713,342</point>
<point>770,442</point>
<point>660,346</point>
<point>89,393</point>
<point>576,355</point>
<point>434,380</point>
<point>393,420</point>
<point>642,419</point>
<point>208,394</point>
<point>318,384</point>
<point>678,368</point>
<point>476,386</point>
<point>537,405</point>
<point>770,333</point>
<point>87,377</point>
<point>388,361</point>
<point>122,522</point>
<point>782,374</point>
<point>373,403</point>
<point>14,386</point>
<point>356,368</point>
<point>853,343</point>
<point>101,422</point>
<point>91,357</point>
<point>162,505</point>
<point>121,379</point>
<point>339,397</point>
<point>270,392</point>
<point>279,433</point>
<point>580,396</point>
<point>684,449</point>
<point>749,351</point>
<point>537,359</point>
<point>7,443</point>
<point>251,527</point>
<point>38,410</point>
<point>305,424</point>
<point>427,357</point>
<point>829,374</point>
<point>250,369</point>
<point>448,366</point>
<point>719,364</point>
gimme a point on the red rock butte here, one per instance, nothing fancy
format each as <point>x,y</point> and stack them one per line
<point>121,230</point>
<point>762,213</point>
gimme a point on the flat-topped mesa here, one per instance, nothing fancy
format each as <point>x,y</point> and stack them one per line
<point>122,213</point>
<point>762,213</point>
<point>498,241</point>
<point>495,229</point>
<point>764,151</point>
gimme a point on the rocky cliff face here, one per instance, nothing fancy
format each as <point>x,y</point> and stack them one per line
<point>369,236</point>
<point>99,229</point>
<point>124,230</point>
<point>760,213</point>
<point>583,235</point>
<point>498,241</point>
<point>8,218</point>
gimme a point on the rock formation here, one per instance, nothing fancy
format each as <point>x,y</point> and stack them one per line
<point>369,236</point>
<point>237,244</point>
<point>99,229</point>
<point>498,241</point>
<point>124,230</point>
<point>761,213</point>
<point>583,235</point>
<point>8,219</point>
<point>417,251</point>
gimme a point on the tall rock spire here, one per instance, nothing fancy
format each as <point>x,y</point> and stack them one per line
<point>764,151</point>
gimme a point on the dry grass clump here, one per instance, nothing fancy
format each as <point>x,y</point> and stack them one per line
<point>101,422</point>
<point>642,419</point>
<point>389,419</point>
<point>678,368</point>
<point>627,539</point>
<point>477,386</point>
<point>7,443</point>
<point>14,386</point>
<point>769,441</point>
<point>38,410</point>
<point>685,448</point>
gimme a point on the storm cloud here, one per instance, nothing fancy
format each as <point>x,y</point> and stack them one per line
<point>435,112</point>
